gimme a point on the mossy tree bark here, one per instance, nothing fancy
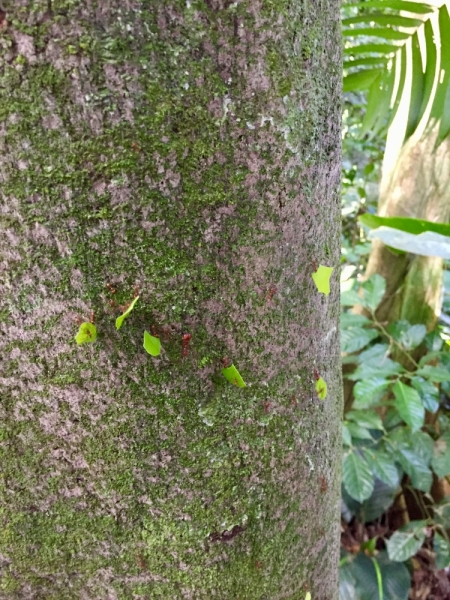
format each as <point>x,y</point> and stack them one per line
<point>190,148</point>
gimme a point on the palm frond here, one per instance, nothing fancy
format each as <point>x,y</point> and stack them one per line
<point>399,50</point>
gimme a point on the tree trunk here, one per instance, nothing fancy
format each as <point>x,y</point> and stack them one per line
<point>190,149</point>
<point>417,186</point>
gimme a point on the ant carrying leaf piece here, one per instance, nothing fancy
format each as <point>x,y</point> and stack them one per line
<point>87,333</point>
<point>321,388</point>
<point>232,375</point>
<point>123,316</point>
<point>152,344</point>
<point>321,278</point>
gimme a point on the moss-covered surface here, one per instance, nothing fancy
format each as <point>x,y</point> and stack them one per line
<point>192,149</point>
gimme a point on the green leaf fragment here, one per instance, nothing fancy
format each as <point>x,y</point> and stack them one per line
<point>232,375</point>
<point>152,344</point>
<point>322,279</point>
<point>321,388</point>
<point>87,333</point>
<point>123,316</point>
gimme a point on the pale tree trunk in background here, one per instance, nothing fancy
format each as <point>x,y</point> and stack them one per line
<point>418,186</point>
<point>193,149</point>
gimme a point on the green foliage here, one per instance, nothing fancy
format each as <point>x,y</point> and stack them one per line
<point>382,448</point>
<point>363,577</point>
<point>402,61</point>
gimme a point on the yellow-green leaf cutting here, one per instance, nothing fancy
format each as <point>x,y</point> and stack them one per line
<point>232,375</point>
<point>152,344</point>
<point>87,333</point>
<point>321,278</point>
<point>123,316</point>
<point>321,388</point>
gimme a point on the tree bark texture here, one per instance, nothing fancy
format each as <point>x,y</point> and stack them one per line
<point>192,149</point>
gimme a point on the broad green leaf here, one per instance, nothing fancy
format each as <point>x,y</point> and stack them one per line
<point>441,459</point>
<point>441,512</point>
<point>366,418</point>
<point>321,278</point>
<point>371,509</point>
<point>373,291</point>
<point>369,49</point>
<point>361,80</point>
<point>389,20</point>
<point>232,375</point>
<point>386,369</point>
<point>442,549</point>
<point>409,336</point>
<point>375,355</point>
<point>413,337</point>
<point>123,316</point>
<point>422,444</point>
<point>392,420</point>
<point>357,477</point>
<point>384,32</point>
<point>358,431</point>
<point>375,105</point>
<point>444,127</point>
<point>378,61</point>
<point>87,333</point>
<point>412,7</point>
<point>360,579</point>
<point>349,319</point>
<point>428,393</point>
<point>346,435</point>
<point>152,344</point>
<point>350,298</point>
<point>321,388</point>
<point>382,467</point>
<point>415,226</point>
<point>416,467</point>
<point>356,338</point>
<point>425,244</point>
<point>438,374</point>
<point>369,391</point>
<point>407,541</point>
<point>409,405</point>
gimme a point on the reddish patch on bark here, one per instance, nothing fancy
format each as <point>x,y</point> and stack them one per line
<point>226,535</point>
